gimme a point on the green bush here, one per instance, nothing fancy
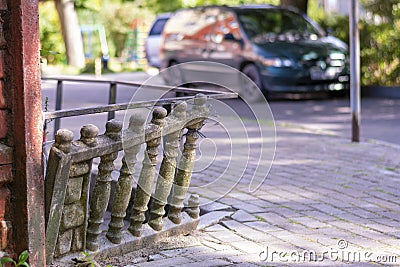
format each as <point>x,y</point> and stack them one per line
<point>379,47</point>
<point>380,50</point>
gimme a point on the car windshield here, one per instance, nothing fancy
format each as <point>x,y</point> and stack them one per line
<point>158,27</point>
<point>271,25</point>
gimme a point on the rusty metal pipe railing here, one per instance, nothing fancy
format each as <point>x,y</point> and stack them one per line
<point>116,107</point>
<point>112,106</point>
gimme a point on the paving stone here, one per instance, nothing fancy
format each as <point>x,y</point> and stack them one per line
<point>186,251</point>
<point>299,207</point>
<point>262,203</point>
<point>310,222</point>
<point>382,203</point>
<point>214,206</point>
<point>227,236</point>
<point>371,207</point>
<point>359,230</point>
<point>381,228</point>
<point>250,208</point>
<point>364,213</point>
<point>248,246</point>
<point>340,203</point>
<point>326,241</point>
<point>263,226</point>
<point>246,258</point>
<point>246,231</point>
<point>391,242</point>
<point>272,198</point>
<point>242,196</point>
<point>271,218</point>
<point>212,218</point>
<point>286,212</point>
<point>216,245</point>
<point>175,261</point>
<point>320,216</point>
<point>209,263</point>
<point>242,216</point>
<point>328,209</point>
<point>214,228</point>
<point>387,222</point>
<point>335,233</point>
<point>392,215</point>
<point>229,200</point>
<point>296,228</point>
<point>350,217</point>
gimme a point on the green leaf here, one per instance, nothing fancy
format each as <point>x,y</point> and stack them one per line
<point>5,260</point>
<point>23,264</point>
<point>23,256</point>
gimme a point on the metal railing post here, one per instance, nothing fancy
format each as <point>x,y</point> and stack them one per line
<point>355,100</point>
<point>112,96</point>
<point>59,94</point>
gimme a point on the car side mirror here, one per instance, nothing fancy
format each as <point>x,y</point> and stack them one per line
<point>329,31</point>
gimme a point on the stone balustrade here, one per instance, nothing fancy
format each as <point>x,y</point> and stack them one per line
<point>76,217</point>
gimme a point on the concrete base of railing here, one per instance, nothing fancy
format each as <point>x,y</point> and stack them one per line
<point>130,243</point>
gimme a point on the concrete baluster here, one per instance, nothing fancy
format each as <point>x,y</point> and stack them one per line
<point>102,188</point>
<point>147,174</point>
<point>123,189</point>
<point>168,167</point>
<point>185,166</point>
<point>193,208</point>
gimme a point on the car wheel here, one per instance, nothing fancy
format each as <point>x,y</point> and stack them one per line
<point>251,91</point>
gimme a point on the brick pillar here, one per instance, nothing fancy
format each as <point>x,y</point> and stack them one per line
<point>21,178</point>
<point>6,151</point>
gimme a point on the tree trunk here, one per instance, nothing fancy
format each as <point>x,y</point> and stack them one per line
<point>71,32</point>
<point>301,5</point>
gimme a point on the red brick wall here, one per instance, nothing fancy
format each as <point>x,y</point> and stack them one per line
<point>6,151</point>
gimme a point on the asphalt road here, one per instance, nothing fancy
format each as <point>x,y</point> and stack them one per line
<point>380,118</point>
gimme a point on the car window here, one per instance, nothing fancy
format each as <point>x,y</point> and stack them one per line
<point>226,25</point>
<point>158,27</point>
<point>270,25</point>
<point>192,24</point>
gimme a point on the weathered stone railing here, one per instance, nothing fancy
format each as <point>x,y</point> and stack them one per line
<point>75,217</point>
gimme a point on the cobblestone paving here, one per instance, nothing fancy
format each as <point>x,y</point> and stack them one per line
<point>325,202</point>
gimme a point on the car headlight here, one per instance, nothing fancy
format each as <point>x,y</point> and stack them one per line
<point>277,62</point>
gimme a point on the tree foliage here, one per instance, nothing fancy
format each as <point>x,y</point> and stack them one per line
<point>50,36</point>
<point>379,40</point>
<point>380,43</point>
<point>120,19</point>
<point>386,9</point>
<point>162,6</point>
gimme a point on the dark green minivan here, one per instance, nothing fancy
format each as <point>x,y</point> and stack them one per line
<point>280,49</point>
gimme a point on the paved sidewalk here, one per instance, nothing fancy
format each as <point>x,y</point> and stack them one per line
<point>325,202</point>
